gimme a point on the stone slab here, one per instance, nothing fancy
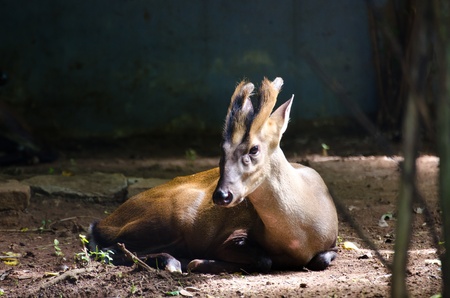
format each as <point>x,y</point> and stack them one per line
<point>143,185</point>
<point>96,186</point>
<point>14,195</point>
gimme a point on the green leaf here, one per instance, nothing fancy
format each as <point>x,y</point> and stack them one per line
<point>325,146</point>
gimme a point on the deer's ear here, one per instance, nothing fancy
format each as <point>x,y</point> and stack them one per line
<point>281,115</point>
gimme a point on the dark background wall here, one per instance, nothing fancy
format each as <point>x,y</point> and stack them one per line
<point>118,68</point>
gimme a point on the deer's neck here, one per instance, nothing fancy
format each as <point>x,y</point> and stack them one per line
<point>277,198</point>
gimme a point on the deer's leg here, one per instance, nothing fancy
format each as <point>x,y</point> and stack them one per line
<point>163,261</point>
<point>148,247</point>
<point>236,254</point>
<point>322,260</point>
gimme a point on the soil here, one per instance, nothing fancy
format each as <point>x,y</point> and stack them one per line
<point>365,185</point>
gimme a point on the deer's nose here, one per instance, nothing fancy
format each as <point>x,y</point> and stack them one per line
<point>222,197</point>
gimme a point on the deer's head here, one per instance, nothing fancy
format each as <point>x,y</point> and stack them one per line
<point>250,136</point>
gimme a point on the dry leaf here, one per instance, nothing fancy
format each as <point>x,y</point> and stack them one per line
<point>11,262</point>
<point>10,258</point>
<point>186,293</point>
<point>433,261</point>
<point>382,222</point>
<point>349,245</point>
<point>50,274</point>
<point>418,210</point>
<point>67,173</point>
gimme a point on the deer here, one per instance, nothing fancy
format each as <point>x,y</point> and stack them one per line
<point>256,212</point>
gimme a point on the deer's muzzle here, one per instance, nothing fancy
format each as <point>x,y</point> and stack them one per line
<point>222,197</point>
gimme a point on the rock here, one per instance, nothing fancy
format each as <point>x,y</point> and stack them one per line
<point>133,180</point>
<point>96,186</point>
<point>14,195</point>
<point>144,184</point>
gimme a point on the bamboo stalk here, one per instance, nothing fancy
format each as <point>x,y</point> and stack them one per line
<point>443,131</point>
<point>416,62</point>
<point>443,123</point>
<point>404,205</point>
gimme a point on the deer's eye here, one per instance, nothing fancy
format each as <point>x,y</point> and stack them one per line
<point>254,150</point>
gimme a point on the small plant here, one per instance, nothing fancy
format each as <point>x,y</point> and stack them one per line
<point>102,256</point>
<point>172,293</point>
<point>83,239</point>
<point>325,149</point>
<point>191,154</point>
<point>98,255</point>
<point>84,255</point>
<point>58,251</point>
<point>44,224</point>
<point>133,289</point>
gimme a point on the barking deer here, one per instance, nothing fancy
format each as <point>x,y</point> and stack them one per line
<point>254,213</point>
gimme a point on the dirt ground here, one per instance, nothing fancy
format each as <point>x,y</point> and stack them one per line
<point>365,184</point>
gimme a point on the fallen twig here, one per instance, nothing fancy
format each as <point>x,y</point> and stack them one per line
<point>50,282</point>
<point>48,226</point>
<point>68,218</point>
<point>65,275</point>
<point>25,230</point>
<point>134,258</point>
